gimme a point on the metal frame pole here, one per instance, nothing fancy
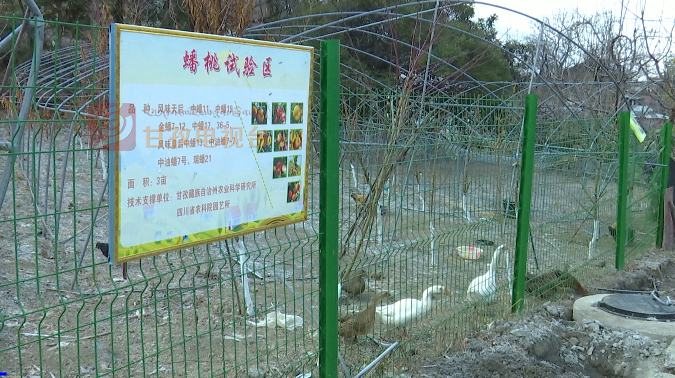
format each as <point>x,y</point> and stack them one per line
<point>622,202</point>
<point>664,161</point>
<point>328,204</point>
<point>524,202</point>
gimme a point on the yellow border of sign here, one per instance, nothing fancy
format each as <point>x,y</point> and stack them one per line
<point>210,236</point>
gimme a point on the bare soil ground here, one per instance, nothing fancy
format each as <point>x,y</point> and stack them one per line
<point>547,343</point>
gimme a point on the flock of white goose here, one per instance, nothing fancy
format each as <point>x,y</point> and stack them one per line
<point>405,311</point>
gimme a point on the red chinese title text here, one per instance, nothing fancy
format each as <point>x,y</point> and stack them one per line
<point>191,63</point>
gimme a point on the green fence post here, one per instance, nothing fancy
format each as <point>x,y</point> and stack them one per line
<point>622,203</point>
<point>524,201</point>
<point>328,204</point>
<point>664,161</point>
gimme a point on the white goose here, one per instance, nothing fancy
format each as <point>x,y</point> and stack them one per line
<point>408,309</point>
<point>485,286</point>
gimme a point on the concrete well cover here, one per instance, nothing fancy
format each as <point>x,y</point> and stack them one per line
<point>637,306</point>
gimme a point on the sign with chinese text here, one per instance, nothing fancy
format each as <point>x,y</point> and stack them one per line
<point>208,138</point>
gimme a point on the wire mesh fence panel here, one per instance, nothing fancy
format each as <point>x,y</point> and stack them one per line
<point>575,193</point>
<point>426,204</point>
<point>644,186</point>
<point>430,180</point>
<point>233,308</point>
<point>573,204</point>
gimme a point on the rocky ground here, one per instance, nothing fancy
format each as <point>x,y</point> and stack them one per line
<point>548,343</point>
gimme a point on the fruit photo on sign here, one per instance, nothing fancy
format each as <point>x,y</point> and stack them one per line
<point>278,113</point>
<point>259,113</point>
<point>296,112</point>
<point>294,166</point>
<point>279,167</point>
<point>293,191</point>
<point>264,141</point>
<point>295,139</point>
<point>281,140</point>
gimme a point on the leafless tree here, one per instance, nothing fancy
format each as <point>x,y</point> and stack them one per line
<point>590,65</point>
<point>660,68</point>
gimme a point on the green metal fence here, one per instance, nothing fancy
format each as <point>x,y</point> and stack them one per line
<point>65,312</point>
<point>436,181</point>
<point>418,178</point>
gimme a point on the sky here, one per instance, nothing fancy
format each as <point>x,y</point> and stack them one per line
<point>516,25</point>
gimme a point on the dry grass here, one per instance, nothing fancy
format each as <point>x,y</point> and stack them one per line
<point>220,17</point>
